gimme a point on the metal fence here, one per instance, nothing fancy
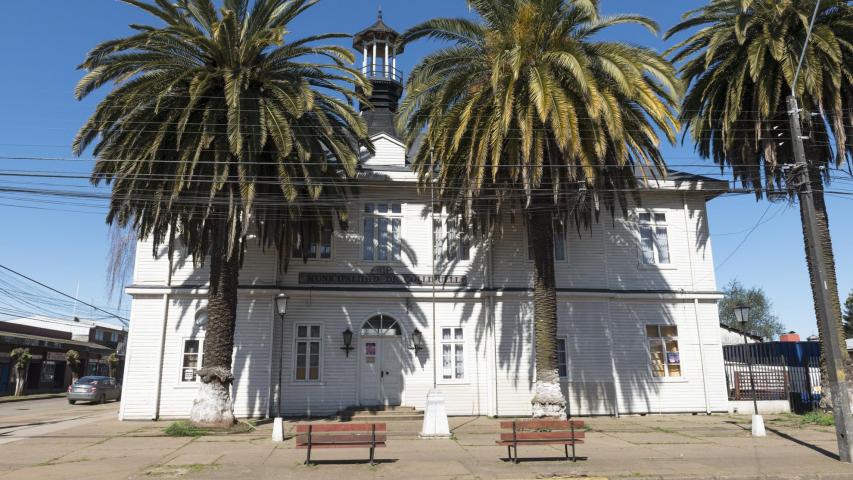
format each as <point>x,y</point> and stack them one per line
<point>780,371</point>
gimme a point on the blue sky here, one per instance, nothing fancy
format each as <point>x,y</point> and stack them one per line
<point>65,244</point>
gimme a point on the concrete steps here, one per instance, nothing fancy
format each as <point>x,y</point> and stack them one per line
<point>380,414</point>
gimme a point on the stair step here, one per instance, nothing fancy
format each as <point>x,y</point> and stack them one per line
<point>381,414</point>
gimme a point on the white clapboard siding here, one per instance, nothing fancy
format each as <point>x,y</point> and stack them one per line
<point>590,386</point>
<point>138,400</point>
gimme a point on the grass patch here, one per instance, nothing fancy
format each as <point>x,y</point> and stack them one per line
<point>184,428</point>
<point>816,417</point>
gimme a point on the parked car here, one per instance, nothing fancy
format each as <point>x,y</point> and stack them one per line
<point>94,389</point>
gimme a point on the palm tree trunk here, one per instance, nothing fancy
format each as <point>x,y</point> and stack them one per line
<point>213,405</point>
<point>548,399</point>
<point>822,220</point>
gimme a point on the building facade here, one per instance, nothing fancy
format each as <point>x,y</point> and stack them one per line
<point>48,369</point>
<point>428,307</point>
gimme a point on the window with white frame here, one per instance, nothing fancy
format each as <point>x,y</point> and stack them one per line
<point>315,243</point>
<point>190,359</point>
<point>450,240</point>
<point>114,337</point>
<point>663,350</point>
<point>562,358</point>
<point>99,335</point>
<point>654,241</point>
<point>452,353</point>
<point>308,350</point>
<point>382,223</point>
<point>559,243</point>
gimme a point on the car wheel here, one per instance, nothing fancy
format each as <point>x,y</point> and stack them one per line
<point>103,399</point>
<point>72,402</point>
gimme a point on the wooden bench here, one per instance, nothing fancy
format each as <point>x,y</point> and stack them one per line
<point>540,432</point>
<point>340,435</point>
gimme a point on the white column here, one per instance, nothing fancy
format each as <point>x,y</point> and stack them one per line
<point>364,60</point>
<point>394,62</point>
<point>373,63</point>
<point>387,71</point>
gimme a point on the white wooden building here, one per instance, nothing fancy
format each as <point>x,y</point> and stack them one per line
<point>638,322</point>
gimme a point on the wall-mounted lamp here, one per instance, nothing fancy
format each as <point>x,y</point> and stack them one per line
<point>347,341</point>
<point>418,341</point>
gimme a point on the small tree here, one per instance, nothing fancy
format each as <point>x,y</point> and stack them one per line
<point>848,316</point>
<point>762,321</point>
<point>72,357</point>
<point>21,357</point>
<point>112,362</point>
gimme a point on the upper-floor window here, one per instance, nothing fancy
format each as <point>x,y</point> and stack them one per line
<point>559,243</point>
<point>316,242</point>
<point>663,349</point>
<point>114,337</point>
<point>99,335</point>
<point>382,231</point>
<point>450,240</point>
<point>654,241</point>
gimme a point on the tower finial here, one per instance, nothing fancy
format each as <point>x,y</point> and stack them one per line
<point>380,12</point>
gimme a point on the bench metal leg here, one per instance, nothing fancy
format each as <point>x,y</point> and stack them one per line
<point>574,457</point>
<point>509,452</point>
<point>566,446</point>
<point>371,456</point>
<point>515,448</point>
<point>308,458</point>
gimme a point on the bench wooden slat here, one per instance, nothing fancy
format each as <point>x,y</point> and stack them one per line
<point>338,445</point>
<point>327,439</point>
<point>537,424</point>
<point>528,436</point>
<point>340,427</point>
<point>538,442</point>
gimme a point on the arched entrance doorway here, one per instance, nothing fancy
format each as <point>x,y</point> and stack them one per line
<point>381,361</point>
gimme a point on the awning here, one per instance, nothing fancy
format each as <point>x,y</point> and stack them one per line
<point>26,340</point>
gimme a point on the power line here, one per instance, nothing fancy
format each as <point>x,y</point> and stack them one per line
<point>123,320</point>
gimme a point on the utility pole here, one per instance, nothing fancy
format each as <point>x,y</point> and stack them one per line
<point>837,381</point>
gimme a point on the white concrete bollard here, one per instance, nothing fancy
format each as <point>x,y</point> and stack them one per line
<point>435,417</point>
<point>758,426</point>
<point>277,430</point>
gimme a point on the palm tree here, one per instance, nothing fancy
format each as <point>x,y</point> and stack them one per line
<point>740,66</point>
<point>526,111</point>
<point>217,125</point>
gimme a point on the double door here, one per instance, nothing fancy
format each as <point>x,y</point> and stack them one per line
<point>381,370</point>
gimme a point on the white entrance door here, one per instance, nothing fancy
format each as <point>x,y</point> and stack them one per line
<point>381,371</point>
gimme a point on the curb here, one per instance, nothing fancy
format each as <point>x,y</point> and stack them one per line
<point>11,399</point>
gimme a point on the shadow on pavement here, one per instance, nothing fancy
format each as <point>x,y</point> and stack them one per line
<point>817,449</point>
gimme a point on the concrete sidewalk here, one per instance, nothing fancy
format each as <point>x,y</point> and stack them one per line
<point>716,446</point>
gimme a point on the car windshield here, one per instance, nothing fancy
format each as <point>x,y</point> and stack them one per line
<point>88,380</point>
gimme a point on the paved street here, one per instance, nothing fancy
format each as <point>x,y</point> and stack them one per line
<point>88,442</point>
<point>34,418</point>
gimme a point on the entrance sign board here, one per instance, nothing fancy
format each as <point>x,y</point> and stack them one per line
<point>379,276</point>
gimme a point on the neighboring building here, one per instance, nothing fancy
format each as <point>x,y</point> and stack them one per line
<point>733,336</point>
<point>638,323</point>
<point>109,335</point>
<point>103,333</point>
<point>47,370</point>
<point>850,346</point>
